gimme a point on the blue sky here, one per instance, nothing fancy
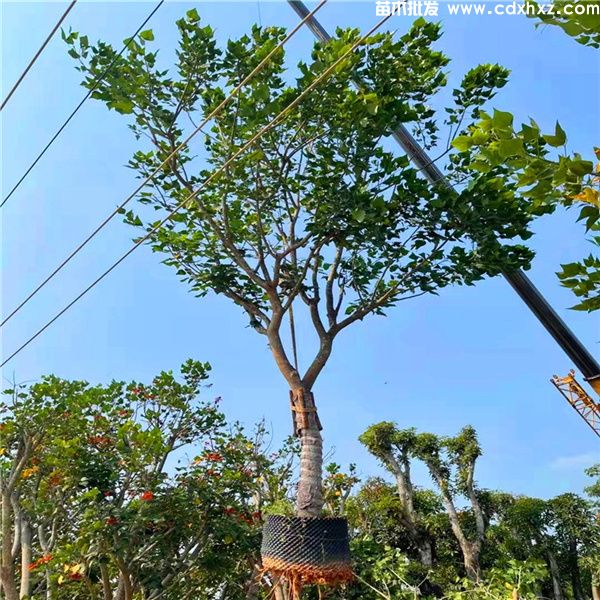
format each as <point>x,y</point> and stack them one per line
<point>471,355</point>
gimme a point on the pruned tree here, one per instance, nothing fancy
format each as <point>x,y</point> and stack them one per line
<point>451,463</point>
<point>396,449</point>
<point>318,214</point>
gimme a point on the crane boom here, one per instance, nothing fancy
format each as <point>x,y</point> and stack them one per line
<point>579,399</point>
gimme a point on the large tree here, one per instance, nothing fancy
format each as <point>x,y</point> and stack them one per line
<point>396,449</point>
<point>318,213</point>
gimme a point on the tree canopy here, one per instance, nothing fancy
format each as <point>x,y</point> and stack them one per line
<point>318,213</point>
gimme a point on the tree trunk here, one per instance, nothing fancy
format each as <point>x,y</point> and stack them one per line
<point>425,553</point>
<point>410,520</point>
<point>25,559</point>
<point>595,592</point>
<point>471,560</point>
<point>280,591</point>
<point>50,586</point>
<point>309,498</point>
<point>470,550</point>
<point>575,574</point>
<point>253,585</point>
<point>106,586</point>
<point>555,575</point>
<point>7,575</point>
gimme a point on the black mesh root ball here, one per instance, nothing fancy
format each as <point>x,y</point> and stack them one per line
<point>307,551</point>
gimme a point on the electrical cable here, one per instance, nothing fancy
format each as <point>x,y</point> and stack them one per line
<point>275,121</point>
<point>36,55</point>
<point>97,81</point>
<point>117,210</point>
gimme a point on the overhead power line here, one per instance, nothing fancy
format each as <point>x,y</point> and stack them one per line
<point>97,81</point>
<point>270,125</point>
<point>175,151</point>
<point>37,55</point>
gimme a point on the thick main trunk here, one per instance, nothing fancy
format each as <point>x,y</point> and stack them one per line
<point>309,497</point>
<point>7,576</point>
<point>280,591</point>
<point>555,575</point>
<point>575,574</point>
<point>25,559</point>
<point>410,519</point>
<point>470,550</point>
<point>595,592</point>
<point>106,585</point>
<point>471,560</point>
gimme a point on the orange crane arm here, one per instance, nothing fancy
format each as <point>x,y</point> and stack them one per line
<point>579,399</point>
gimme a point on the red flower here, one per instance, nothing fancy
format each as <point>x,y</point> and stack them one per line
<point>99,440</point>
<point>147,496</point>
<point>112,521</point>
<point>40,561</point>
<point>75,576</point>
<point>230,511</point>
<point>214,457</point>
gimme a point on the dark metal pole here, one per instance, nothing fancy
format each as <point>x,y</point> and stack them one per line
<point>556,327</point>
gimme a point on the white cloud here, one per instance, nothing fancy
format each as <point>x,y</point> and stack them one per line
<point>580,461</point>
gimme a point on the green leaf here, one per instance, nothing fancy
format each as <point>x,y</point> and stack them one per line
<point>530,134</point>
<point>502,119</point>
<point>124,107</point>
<point>192,15</point>
<point>480,166</point>
<point>479,137</point>
<point>359,215</point>
<point>558,139</point>
<point>571,269</point>
<point>147,35</point>
<point>462,143</point>
<point>378,203</point>
<point>581,167</point>
<point>510,147</point>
